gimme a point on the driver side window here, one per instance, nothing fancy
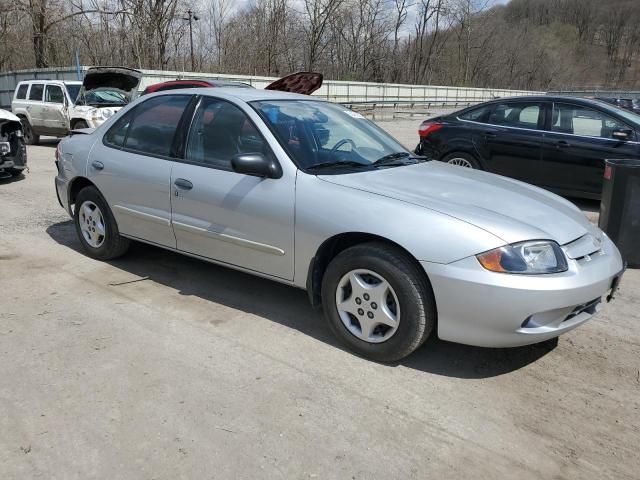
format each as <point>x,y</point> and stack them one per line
<point>219,131</point>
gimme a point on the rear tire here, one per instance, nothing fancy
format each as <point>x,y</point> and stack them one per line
<point>96,227</point>
<point>462,159</point>
<point>30,138</point>
<point>408,297</point>
<point>80,124</point>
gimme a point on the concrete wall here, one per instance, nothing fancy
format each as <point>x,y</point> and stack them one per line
<point>334,90</point>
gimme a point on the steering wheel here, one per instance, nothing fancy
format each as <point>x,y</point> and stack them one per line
<point>343,142</point>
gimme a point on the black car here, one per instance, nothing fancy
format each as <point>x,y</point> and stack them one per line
<point>554,142</point>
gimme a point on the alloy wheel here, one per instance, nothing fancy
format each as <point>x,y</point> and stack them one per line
<point>92,224</point>
<point>368,306</point>
<point>460,162</point>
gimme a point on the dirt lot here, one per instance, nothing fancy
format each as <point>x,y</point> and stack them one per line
<point>157,366</point>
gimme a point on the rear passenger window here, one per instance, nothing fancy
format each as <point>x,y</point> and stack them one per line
<point>154,125</point>
<point>117,133</point>
<point>22,91</point>
<point>520,115</point>
<point>36,91</point>
<point>477,115</point>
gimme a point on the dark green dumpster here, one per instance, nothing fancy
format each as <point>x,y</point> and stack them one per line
<point>620,207</point>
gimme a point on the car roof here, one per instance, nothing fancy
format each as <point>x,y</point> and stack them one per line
<point>57,82</point>
<point>243,94</point>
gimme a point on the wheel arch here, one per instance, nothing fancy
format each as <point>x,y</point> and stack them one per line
<point>334,245</point>
<point>77,184</point>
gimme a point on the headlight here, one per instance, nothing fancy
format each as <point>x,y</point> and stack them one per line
<point>106,113</point>
<point>534,257</point>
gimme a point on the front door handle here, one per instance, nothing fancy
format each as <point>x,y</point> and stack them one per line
<point>97,165</point>
<point>562,144</point>
<point>489,135</point>
<point>183,184</point>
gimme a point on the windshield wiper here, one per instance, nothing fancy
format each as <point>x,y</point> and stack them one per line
<point>337,164</point>
<point>391,159</point>
<point>398,159</point>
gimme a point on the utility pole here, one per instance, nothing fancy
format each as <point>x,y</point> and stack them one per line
<point>191,17</point>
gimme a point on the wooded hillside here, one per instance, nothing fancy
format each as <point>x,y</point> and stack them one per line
<point>527,44</point>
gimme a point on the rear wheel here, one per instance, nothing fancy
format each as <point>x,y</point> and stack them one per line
<point>30,138</point>
<point>80,124</point>
<point>96,227</point>
<point>378,302</point>
<point>461,159</point>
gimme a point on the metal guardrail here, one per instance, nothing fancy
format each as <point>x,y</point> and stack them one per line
<point>344,92</point>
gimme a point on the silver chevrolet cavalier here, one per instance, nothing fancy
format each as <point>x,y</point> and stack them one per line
<point>311,194</point>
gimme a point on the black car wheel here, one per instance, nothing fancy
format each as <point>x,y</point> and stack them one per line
<point>461,159</point>
<point>378,302</point>
<point>30,138</point>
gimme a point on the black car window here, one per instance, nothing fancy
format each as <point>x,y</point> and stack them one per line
<point>584,121</point>
<point>219,131</point>
<point>517,114</point>
<point>154,124</point>
<point>480,114</point>
<point>22,91</point>
<point>118,131</point>
<point>53,94</point>
<point>36,91</point>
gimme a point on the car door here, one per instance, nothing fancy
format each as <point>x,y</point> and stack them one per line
<point>34,106</point>
<point>230,217</point>
<point>511,142</point>
<point>132,164</point>
<point>54,116</point>
<point>580,138</point>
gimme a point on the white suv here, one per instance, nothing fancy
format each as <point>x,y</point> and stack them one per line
<point>54,107</point>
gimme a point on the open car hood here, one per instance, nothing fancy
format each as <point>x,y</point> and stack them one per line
<point>300,82</point>
<point>124,79</point>
<point>6,116</point>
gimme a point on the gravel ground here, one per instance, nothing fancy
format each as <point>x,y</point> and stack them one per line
<point>159,366</point>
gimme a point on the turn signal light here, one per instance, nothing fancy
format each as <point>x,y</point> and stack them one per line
<point>427,128</point>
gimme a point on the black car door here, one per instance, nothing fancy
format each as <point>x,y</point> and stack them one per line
<point>579,139</point>
<point>511,141</point>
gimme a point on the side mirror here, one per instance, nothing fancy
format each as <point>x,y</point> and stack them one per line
<point>256,164</point>
<point>622,134</point>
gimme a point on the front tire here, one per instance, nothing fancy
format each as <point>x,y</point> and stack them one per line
<point>79,124</point>
<point>96,227</point>
<point>378,302</point>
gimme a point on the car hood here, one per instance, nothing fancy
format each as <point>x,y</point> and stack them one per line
<point>123,79</point>
<point>509,209</point>
<point>6,116</point>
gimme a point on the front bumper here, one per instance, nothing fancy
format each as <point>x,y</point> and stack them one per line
<point>487,309</point>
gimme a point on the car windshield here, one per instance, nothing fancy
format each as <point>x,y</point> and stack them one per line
<point>630,116</point>
<point>73,90</point>
<point>104,97</point>
<point>324,136</point>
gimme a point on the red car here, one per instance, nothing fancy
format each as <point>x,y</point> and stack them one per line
<point>300,82</point>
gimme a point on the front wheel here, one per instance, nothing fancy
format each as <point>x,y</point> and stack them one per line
<point>80,124</point>
<point>96,227</point>
<point>378,302</point>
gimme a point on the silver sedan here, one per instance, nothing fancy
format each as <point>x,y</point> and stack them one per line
<point>311,194</point>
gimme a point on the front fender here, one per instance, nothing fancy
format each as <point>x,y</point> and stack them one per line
<point>324,210</point>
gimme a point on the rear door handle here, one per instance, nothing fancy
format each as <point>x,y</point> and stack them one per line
<point>183,184</point>
<point>97,165</point>
<point>489,135</point>
<point>562,144</point>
